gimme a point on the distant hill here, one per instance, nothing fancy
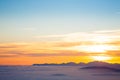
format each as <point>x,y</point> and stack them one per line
<point>101,68</point>
<point>98,64</point>
<point>62,64</point>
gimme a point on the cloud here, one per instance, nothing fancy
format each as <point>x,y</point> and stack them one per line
<point>66,45</point>
<point>6,46</point>
<point>116,43</point>
<point>115,53</point>
<point>109,35</point>
<point>83,36</point>
<point>12,45</point>
<point>7,56</point>
<point>52,54</point>
<point>15,53</point>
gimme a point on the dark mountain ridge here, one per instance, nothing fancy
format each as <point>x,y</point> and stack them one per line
<point>94,63</point>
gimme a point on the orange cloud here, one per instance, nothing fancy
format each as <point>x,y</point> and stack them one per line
<point>81,44</point>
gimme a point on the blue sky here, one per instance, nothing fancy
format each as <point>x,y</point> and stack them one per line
<point>21,20</point>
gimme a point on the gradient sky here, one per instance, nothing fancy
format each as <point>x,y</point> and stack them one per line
<point>50,23</point>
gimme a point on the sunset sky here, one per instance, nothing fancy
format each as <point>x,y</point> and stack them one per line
<point>59,31</point>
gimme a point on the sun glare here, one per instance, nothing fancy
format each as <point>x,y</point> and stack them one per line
<point>101,58</point>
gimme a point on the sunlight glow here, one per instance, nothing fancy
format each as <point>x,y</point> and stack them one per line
<point>94,48</point>
<point>97,48</point>
<point>101,58</point>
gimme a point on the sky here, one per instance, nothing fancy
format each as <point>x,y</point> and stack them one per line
<point>56,31</point>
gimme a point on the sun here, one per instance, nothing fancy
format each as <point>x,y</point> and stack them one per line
<point>101,58</point>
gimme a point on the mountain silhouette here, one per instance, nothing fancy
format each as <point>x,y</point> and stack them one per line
<point>94,63</point>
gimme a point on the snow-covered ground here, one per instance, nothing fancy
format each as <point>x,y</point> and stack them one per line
<point>55,73</point>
